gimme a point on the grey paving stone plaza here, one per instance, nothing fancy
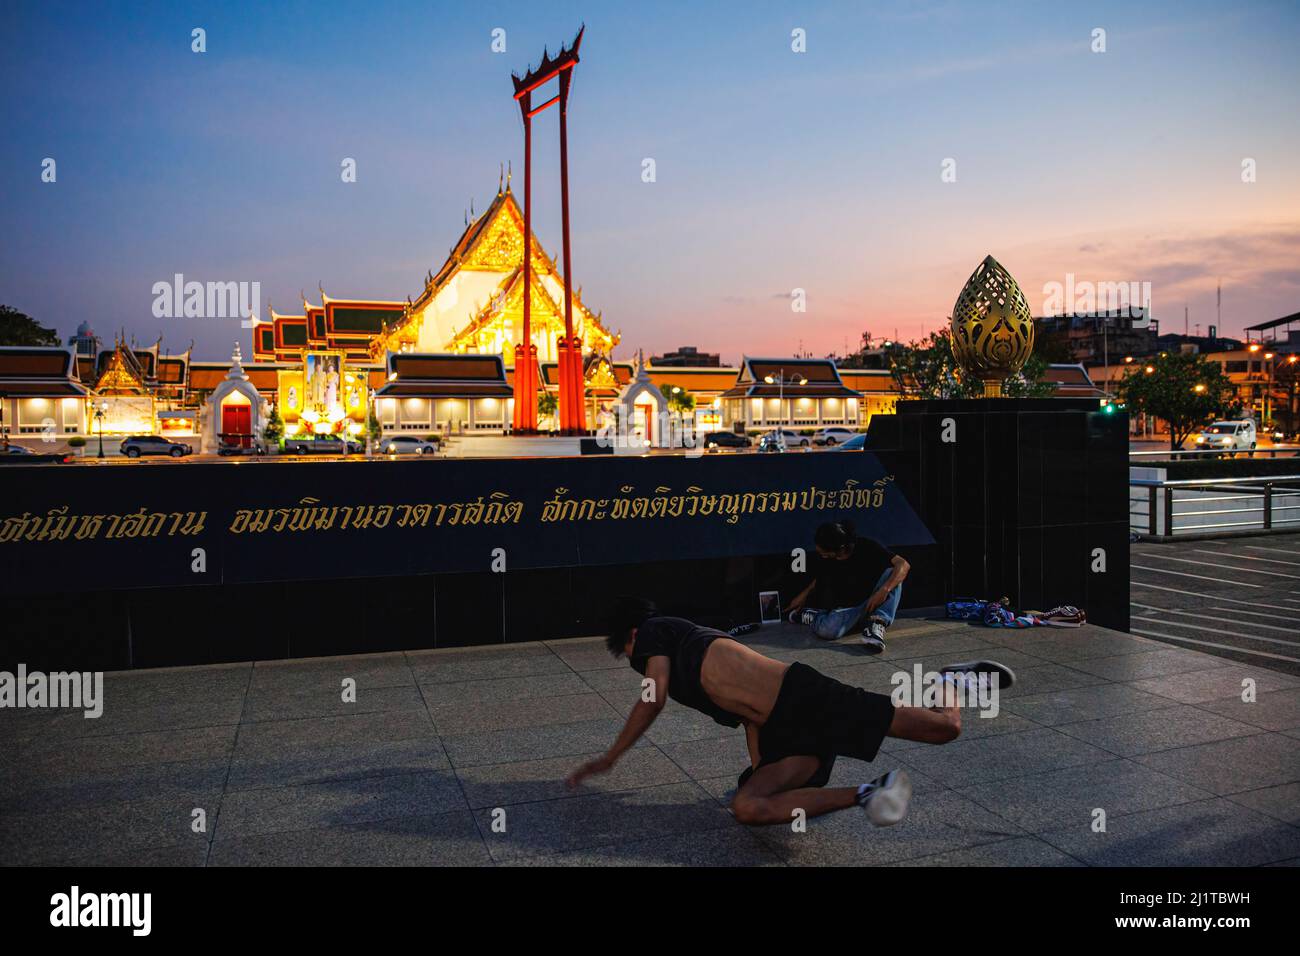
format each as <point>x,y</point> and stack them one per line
<point>440,744</point>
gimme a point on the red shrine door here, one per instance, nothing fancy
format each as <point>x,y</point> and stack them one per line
<point>236,424</point>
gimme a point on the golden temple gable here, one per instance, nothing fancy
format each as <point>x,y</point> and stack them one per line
<point>474,303</point>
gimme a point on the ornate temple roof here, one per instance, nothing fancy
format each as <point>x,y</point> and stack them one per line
<point>39,372</point>
<point>821,379</point>
<point>492,242</point>
<point>439,375</point>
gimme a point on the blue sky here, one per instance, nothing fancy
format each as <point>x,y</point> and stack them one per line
<point>775,170</point>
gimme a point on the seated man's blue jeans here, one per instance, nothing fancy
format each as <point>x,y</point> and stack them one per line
<point>832,625</point>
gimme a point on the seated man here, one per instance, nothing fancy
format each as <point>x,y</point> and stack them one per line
<point>797,721</point>
<point>859,579</point>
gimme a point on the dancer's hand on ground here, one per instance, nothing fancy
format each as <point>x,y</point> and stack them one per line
<point>599,765</point>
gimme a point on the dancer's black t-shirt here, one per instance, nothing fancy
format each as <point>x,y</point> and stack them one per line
<point>684,643</point>
<point>849,582</point>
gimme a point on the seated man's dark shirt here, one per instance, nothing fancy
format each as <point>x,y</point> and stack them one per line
<point>849,582</point>
<point>684,643</point>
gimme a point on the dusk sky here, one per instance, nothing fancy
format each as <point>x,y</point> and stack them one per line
<point>775,170</point>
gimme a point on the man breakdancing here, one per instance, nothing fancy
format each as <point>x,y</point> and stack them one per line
<point>797,721</point>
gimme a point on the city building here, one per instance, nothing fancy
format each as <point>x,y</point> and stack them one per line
<point>688,356</point>
<point>1072,381</point>
<point>877,390</point>
<point>794,392</point>
<point>446,394</point>
<point>706,384</point>
<point>1102,338</point>
<point>84,341</point>
<point>1276,332</point>
<point>41,396</point>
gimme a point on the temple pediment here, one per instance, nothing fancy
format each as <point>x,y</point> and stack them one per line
<point>472,304</point>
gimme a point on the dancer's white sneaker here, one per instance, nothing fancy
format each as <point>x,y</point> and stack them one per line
<point>886,798</point>
<point>983,672</point>
<point>873,637</point>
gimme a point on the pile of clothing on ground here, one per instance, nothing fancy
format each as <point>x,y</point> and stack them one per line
<point>1000,614</point>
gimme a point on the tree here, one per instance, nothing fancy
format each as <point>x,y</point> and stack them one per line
<point>1287,376</point>
<point>1029,381</point>
<point>928,369</point>
<point>274,429</point>
<point>1052,347</point>
<point>1181,389</point>
<point>548,404</point>
<point>18,328</point>
<point>680,400</point>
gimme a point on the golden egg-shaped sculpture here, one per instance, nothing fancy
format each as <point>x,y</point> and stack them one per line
<point>992,330</point>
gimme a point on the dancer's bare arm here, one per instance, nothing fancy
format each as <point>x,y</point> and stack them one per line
<point>751,741</point>
<point>900,567</point>
<point>653,697</point>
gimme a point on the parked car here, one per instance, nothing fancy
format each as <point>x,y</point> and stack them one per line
<point>21,455</point>
<point>790,438</point>
<point>138,445</point>
<point>1228,436</point>
<point>856,443</point>
<point>254,447</point>
<point>322,445</point>
<point>726,440</point>
<point>407,445</point>
<point>833,435</point>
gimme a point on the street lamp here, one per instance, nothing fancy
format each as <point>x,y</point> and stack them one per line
<point>1268,388</point>
<point>781,380</point>
<point>100,409</point>
<point>370,416</point>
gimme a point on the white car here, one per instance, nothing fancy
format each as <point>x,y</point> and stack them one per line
<point>786,437</point>
<point>407,445</point>
<point>1227,436</point>
<point>834,435</point>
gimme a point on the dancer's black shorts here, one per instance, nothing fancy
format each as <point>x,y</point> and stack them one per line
<point>817,716</point>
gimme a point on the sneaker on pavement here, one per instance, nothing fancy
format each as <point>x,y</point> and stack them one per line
<point>886,798</point>
<point>873,637</point>
<point>803,615</point>
<point>984,670</point>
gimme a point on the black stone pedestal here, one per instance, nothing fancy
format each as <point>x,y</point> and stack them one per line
<point>1026,498</point>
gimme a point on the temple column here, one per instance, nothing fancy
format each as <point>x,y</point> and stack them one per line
<point>525,418</point>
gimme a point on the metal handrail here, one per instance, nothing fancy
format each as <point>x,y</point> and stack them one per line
<point>1160,482</point>
<point>1271,451</point>
<point>1162,512</point>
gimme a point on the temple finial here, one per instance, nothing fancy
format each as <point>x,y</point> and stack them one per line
<point>501,175</point>
<point>509,173</point>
